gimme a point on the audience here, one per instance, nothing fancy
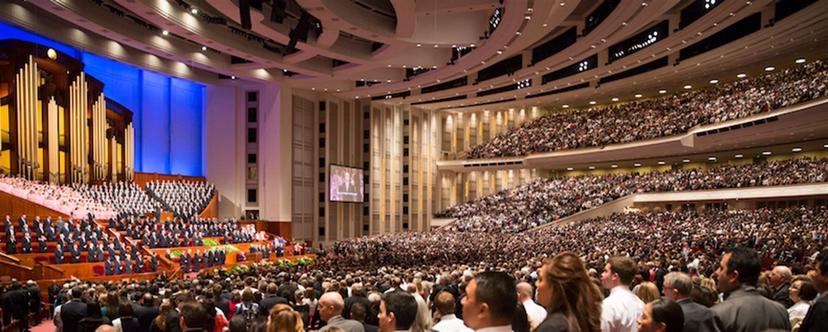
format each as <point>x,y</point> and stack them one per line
<point>678,287</point>
<point>572,300</point>
<point>662,116</point>
<point>546,200</point>
<point>662,315</point>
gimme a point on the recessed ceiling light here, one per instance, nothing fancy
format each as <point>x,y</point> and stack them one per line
<point>662,91</point>
<point>435,45</point>
<point>569,168</point>
<point>615,99</point>
<point>592,102</point>
<point>194,11</point>
<point>796,149</point>
<point>770,68</point>
<point>418,45</point>
<point>638,95</point>
<point>825,146</point>
<point>688,86</point>
<point>499,52</point>
<point>471,45</point>
<point>714,81</point>
<point>661,163</point>
<point>637,165</point>
<point>738,156</point>
<point>614,166</point>
<point>527,17</point>
<point>800,60</point>
<point>741,75</point>
<point>545,25</point>
<point>591,167</point>
<point>565,106</point>
<point>563,4</point>
<point>711,158</point>
<point>686,161</point>
<point>766,153</point>
<point>232,77</point>
<point>204,48</point>
<point>165,32</point>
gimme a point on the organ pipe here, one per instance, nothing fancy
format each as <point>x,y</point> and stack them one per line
<point>99,137</point>
<point>26,102</point>
<point>129,146</point>
<point>79,138</point>
<point>52,141</point>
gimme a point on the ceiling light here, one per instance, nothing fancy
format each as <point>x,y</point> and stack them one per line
<point>614,166</point>
<point>738,156</point>
<point>567,106</point>
<point>563,4</point>
<point>545,25</point>
<point>592,102</point>
<point>527,17</point>
<point>418,45</point>
<point>662,91</point>
<point>766,153</point>
<point>591,167</point>
<point>711,158</point>
<point>800,60</point>
<point>165,32</point>
<point>499,52</point>
<point>714,81</point>
<point>770,68</point>
<point>638,95</point>
<point>204,48</point>
<point>796,149</point>
<point>615,99</point>
<point>825,146</point>
<point>741,75</point>
<point>517,33</point>
<point>569,168</point>
<point>686,161</point>
<point>194,11</point>
<point>661,163</point>
<point>637,165</point>
<point>232,77</point>
<point>688,86</point>
<point>435,45</point>
<point>471,45</point>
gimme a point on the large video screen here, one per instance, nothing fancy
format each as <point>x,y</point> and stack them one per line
<point>345,184</point>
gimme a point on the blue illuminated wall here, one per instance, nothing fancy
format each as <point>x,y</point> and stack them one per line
<point>168,112</point>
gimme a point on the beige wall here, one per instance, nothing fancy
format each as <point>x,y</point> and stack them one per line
<point>463,131</point>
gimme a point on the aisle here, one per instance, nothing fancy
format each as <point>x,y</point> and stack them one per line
<point>44,326</point>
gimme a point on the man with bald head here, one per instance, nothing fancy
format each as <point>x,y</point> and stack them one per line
<point>330,310</point>
<point>535,312</point>
<point>780,280</point>
<point>697,318</point>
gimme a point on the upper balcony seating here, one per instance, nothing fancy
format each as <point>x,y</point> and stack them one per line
<point>659,117</point>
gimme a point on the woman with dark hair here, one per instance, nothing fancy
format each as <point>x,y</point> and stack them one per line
<point>572,300</point>
<point>159,324</point>
<point>93,318</point>
<point>127,322</point>
<point>520,321</point>
<point>662,315</point>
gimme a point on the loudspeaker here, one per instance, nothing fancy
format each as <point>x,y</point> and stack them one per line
<point>244,14</point>
<point>277,11</point>
<point>300,32</point>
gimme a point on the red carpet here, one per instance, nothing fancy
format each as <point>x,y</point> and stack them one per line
<point>44,326</point>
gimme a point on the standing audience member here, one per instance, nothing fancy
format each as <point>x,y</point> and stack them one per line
<point>817,317</point>
<point>73,311</point>
<point>662,315</point>
<point>330,310</point>
<point>779,280</point>
<point>535,312</point>
<point>398,310</point>
<point>621,309</point>
<point>573,301</point>
<point>697,318</point>
<point>744,307</point>
<point>490,302</point>
<point>802,293</point>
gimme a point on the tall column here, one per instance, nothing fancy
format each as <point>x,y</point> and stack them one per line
<point>26,102</point>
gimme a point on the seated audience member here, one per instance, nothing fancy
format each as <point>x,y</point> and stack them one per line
<point>573,301</point>
<point>744,308</point>
<point>662,315</point>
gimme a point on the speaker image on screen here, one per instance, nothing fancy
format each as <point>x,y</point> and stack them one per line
<point>345,184</point>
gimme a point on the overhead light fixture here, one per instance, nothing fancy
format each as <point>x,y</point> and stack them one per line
<point>165,32</point>
<point>615,99</point>
<point>637,165</point>
<point>661,163</point>
<point>194,11</point>
<point>796,149</point>
<point>418,45</point>
<point>770,68</point>
<point>800,60</point>
<point>204,48</point>
<point>766,153</point>
<point>614,166</point>
<point>825,146</point>
<point>741,75</point>
<point>592,102</point>
<point>638,95</point>
<point>714,81</point>
<point>569,168</point>
<point>565,106</point>
<point>686,161</point>
<point>232,77</point>
<point>591,167</point>
<point>738,156</point>
<point>662,91</point>
<point>688,86</point>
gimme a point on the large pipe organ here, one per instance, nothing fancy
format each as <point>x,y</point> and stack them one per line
<point>56,124</point>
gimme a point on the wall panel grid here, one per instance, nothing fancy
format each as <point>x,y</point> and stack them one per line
<point>302,187</point>
<point>252,191</point>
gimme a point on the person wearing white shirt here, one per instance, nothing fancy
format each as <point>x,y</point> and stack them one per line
<point>621,309</point>
<point>535,312</point>
<point>490,302</point>
<point>802,292</point>
<point>444,304</point>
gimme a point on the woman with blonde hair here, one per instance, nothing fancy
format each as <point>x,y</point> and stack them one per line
<point>283,318</point>
<point>572,301</point>
<point>647,292</point>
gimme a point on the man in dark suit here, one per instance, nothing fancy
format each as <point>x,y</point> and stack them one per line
<point>75,253</point>
<point>16,300</point>
<point>26,244</point>
<point>780,281</point>
<point>73,311</point>
<point>184,261</point>
<point>58,254</point>
<point>677,287</point>
<point>108,268</point>
<point>11,243</point>
<point>271,299</point>
<point>817,317</point>
<point>358,295</point>
<point>34,299</point>
<point>41,244</point>
<point>145,312</point>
